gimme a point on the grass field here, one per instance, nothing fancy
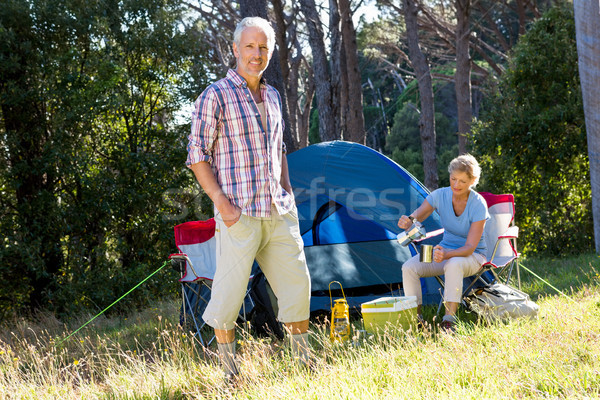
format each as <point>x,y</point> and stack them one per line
<point>145,355</point>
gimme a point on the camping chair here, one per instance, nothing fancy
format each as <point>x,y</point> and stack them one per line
<point>196,263</point>
<point>501,239</point>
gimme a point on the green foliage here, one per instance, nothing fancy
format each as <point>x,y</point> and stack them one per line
<point>381,45</point>
<point>94,179</point>
<point>531,139</point>
<point>313,127</point>
<point>404,141</point>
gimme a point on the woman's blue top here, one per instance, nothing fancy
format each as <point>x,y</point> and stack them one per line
<point>456,228</point>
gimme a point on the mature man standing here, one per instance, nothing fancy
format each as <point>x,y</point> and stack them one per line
<point>237,154</point>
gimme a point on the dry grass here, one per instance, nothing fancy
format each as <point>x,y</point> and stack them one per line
<point>147,356</point>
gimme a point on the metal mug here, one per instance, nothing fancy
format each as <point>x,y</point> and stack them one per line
<point>426,254</point>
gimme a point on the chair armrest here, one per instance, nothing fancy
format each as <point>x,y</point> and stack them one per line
<point>184,257</point>
<point>177,256</point>
<point>511,233</point>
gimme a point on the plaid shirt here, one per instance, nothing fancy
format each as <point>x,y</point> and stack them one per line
<point>246,158</point>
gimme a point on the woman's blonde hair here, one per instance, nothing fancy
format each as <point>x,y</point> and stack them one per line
<point>467,164</point>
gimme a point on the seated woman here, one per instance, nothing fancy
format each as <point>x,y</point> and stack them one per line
<point>463,213</point>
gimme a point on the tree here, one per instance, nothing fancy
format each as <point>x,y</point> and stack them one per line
<point>474,35</point>
<point>327,108</point>
<point>403,142</point>
<point>462,77</point>
<point>41,73</point>
<point>531,140</point>
<point>492,32</point>
<point>587,23</point>
<point>355,123</point>
<point>427,112</point>
<point>385,67</point>
<point>496,26</point>
<point>295,69</point>
<point>336,72</point>
<point>88,101</point>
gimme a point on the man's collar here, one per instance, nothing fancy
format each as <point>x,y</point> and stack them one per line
<point>237,79</point>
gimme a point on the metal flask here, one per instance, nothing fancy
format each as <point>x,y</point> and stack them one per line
<point>415,232</point>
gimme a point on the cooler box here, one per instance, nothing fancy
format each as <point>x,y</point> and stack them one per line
<point>401,311</point>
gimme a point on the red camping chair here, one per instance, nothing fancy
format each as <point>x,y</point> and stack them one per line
<point>501,235</point>
<point>196,261</point>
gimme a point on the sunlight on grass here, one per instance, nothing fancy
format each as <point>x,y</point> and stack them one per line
<point>147,355</point>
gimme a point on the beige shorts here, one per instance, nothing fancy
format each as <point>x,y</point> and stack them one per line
<point>277,246</point>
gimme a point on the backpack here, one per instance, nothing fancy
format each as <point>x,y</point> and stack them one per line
<point>499,301</point>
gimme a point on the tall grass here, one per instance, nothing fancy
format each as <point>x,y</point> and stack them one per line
<point>148,356</point>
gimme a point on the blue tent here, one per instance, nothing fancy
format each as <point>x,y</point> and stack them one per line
<point>349,199</point>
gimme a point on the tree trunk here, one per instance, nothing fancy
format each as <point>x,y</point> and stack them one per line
<point>462,77</point>
<point>284,60</point>
<point>321,72</point>
<point>426,121</point>
<point>587,24</point>
<point>355,122</point>
<point>339,77</point>
<point>273,74</point>
<point>303,107</point>
<point>522,18</point>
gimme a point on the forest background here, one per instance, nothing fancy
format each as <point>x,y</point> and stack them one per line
<point>95,101</point>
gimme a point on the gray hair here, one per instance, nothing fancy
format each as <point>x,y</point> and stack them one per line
<point>258,22</point>
<point>467,164</point>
